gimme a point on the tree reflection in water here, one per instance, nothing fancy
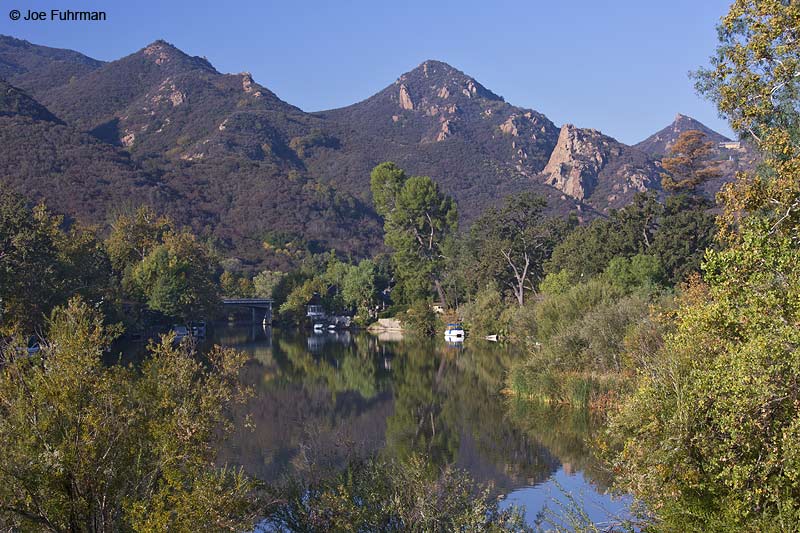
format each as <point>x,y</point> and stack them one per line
<point>323,398</point>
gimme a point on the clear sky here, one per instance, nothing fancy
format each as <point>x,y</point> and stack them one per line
<point>618,66</point>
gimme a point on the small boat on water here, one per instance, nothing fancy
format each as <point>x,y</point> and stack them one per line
<point>454,333</point>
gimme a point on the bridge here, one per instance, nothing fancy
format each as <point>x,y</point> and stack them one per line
<point>255,305</point>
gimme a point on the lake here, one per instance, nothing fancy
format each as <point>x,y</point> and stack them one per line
<point>321,398</point>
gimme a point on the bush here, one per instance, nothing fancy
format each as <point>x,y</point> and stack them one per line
<point>420,319</point>
<point>554,313</point>
<point>595,340</point>
<point>485,315</point>
<point>640,271</point>
<point>557,283</point>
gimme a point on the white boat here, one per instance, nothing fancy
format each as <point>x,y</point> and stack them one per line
<point>454,333</point>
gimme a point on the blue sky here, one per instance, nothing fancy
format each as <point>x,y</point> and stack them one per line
<point>618,66</point>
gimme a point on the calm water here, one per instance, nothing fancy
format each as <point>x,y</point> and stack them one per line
<point>319,398</point>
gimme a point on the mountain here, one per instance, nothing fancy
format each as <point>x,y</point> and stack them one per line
<point>115,86</point>
<point>38,69</point>
<point>227,145</point>
<point>658,144</point>
<point>257,175</point>
<point>437,121</point>
<point>44,158</point>
<point>731,156</point>
<point>590,166</point>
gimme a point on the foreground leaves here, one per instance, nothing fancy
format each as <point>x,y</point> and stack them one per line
<point>90,447</point>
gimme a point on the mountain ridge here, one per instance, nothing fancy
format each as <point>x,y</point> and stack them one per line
<point>226,146</point>
<point>658,144</point>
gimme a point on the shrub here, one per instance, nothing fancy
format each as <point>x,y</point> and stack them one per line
<point>485,315</point>
<point>420,319</point>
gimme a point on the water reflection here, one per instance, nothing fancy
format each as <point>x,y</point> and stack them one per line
<point>321,398</point>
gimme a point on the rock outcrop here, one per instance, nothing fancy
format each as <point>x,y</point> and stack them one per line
<point>592,167</point>
<point>405,99</point>
<point>576,161</point>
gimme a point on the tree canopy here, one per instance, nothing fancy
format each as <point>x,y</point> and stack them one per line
<point>511,244</point>
<point>418,218</point>
<point>687,166</point>
<point>92,447</point>
<point>710,439</point>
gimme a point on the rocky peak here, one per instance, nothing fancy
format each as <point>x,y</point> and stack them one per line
<point>436,81</point>
<point>166,54</point>
<point>576,160</point>
<point>660,142</point>
<point>249,86</point>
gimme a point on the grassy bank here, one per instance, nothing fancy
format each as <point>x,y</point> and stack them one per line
<point>576,389</point>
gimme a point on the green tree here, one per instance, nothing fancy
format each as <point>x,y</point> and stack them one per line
<point>687,228</point>
<point>710,439</point>
<point>753,80</point>
<point>512,243</point>
<point>265,282</point>
<point>28,263</point>
<point>417,220</point>
<point>91,447</point>
<point>133,237</point>
<point>386,182</point>
<point>360,288</point>
<point>638,271</point>
<point>335,273</point>
<point>84,266</point>
<point>626,232</point>
<point>485,314</point>
<point>177,278</point>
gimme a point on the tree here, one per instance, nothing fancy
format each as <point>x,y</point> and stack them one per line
<point>626,232</point>
<point>360,288</point>
<point>753,80</point>
<point>417,220</point>
<point>28,263</point>
<point>512,243</point>
<point>710,440</point>
<point>84,267</point>
<point>177,278</point>
<point>92,447</point>
<point>42,265</point>
<point>236,285</point>
<point>134,236</point>
<point>294,308</point>
<point>386,182</point>
<point>686,230</point>
<point>264,283</point>
<point>636,272</point>
<point>687,166</point>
